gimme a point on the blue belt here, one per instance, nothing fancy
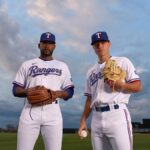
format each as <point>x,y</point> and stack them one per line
<point>106,108</point>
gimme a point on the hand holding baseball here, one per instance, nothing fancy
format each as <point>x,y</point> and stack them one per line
<point>83,134</point>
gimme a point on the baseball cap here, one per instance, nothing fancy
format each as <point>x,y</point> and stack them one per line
<point>48,37</point>
<point>99,36</point>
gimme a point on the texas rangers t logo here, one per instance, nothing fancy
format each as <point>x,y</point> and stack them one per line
<point>98,34</point>
<point>48,34</point>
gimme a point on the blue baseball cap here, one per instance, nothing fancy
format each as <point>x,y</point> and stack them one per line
<point>47,37</point>
<point>99,36</point>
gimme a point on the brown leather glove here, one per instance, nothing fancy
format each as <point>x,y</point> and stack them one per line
<point>40,95</point>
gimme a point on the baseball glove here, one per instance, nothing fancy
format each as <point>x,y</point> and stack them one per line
<point>112,72</point>
<point>40,95</point>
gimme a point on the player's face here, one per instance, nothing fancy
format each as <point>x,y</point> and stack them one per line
<point>46,48</point>
<point>101,48</point>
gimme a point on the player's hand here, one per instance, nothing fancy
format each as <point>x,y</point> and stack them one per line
<point>115,85</point>
<point>54,95</point>
<point>119,85</point>
<point>83,126</point>
<point>110,83</point>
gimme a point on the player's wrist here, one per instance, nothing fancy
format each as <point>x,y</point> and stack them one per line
<point>123,87</point>
<point>26,91</point>
<point>60,94</point>
<point>83,120</point>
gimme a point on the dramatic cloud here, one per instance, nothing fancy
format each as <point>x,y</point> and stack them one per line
<point>72,20</point>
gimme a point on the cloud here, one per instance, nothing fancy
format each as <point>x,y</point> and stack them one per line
<point>13,47</point>
<point>138,109</point>
<point>141,70</point>
<point>13,51</point>
<point>71,20</point>
<point>10,112</point>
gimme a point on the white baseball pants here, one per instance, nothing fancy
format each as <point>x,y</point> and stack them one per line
<point>45,119</point>
<point>112,130</point>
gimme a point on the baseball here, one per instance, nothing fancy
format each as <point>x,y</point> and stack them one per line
<point>83,133</point>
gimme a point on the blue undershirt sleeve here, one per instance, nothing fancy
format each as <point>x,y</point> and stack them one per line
<point>14,88</point>
<point>70,92</point>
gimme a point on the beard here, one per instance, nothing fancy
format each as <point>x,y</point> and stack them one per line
<point>46,53</point>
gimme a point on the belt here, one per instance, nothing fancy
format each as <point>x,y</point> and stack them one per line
<point>106,108</point>
<point>45,103</point>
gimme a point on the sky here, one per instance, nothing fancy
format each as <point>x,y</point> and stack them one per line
<point>127,23</point>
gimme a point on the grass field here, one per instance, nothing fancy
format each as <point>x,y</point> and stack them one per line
<point>71,142</point>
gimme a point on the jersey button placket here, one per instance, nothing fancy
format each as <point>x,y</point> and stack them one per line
<point>44,75</point>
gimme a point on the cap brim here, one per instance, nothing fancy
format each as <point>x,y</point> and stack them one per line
<point>48,41</point>
<point>99,41</point>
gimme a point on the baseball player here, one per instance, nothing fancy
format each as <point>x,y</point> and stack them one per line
<point>47,72</point>
<point>107,100</point>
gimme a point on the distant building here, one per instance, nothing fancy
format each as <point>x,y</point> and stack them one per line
<point>141,128</point>
<point>146,123</point>
<point>136,125</point>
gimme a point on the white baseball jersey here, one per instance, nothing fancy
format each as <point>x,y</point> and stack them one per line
<point>53,74</point>
<point>100,92</point>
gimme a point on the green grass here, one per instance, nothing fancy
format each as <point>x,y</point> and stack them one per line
<point>142,141</point>
<point>7,141</point>
<point>71,142</point>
